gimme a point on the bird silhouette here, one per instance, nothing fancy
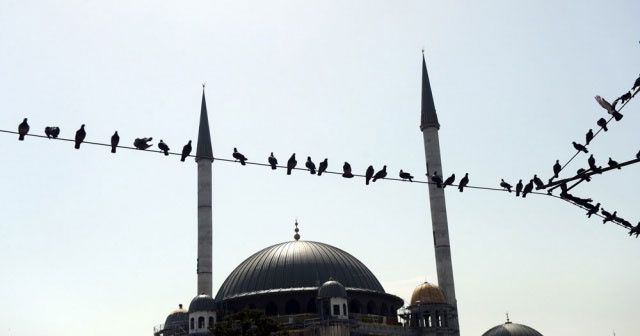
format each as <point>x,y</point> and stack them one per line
<point>141,143</point>
<point>580,147</point>
<point>463,182</point>
<point>625,97</point>
<point>519,188</point>
<point>635,230</point>
<point>589,136</point>
<point>405,176</point>
<point>238,156</point>
<point>80,135</point>
<point>273,161</point>
<point>23,129</point>
<point>380,174</point>
<point>605,104</point>
<point>322,167</point>
<point>368,174</point>
<point>52,132</point>
<point>527,188</point>
<point>291,163</point>
<point>538,182</point>
<point>581,172</point>
<point>592,163</point>
<point>556,169</point>
<point>505,185</point>
<point>164,147</point>
<point>115,139</point>
<point>593,210</point>
<point>617,115</point>
<point>310,165</point>
<point>436,179</point>
<point>449,181</point>
<point>613,164</point>
<point>186,150</point>
<point>608,216</point>
<point>636,84</point>
<point>346,170</point>
<point>602,123</point>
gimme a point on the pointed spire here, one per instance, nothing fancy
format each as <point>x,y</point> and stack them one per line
<point>204,136</point>
<point>429,118</point>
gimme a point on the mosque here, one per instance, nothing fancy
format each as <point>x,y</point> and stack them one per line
<point>313,288</point>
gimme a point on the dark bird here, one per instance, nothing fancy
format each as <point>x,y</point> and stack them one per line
<point>449,180</point>
<point>602,123</point>
<point>23,129</point>
<point>436,179</point>
<point>581,172</point>
<point>463,182</point>
<point>346,170</point>
<point>405,176</point>
<point>163,147</point>
<point>589,136</point>
<point>80,135</point>
<point>636,84</point>
<point>322,167</point>
<point>563,189</point>
<point>368,174</point>
<point>556,169</point>
<point>538,182</point>
<point>580,147</point>
<point>115,139</point>
<point>592,163</point>
<point>623,99</point>
<point>238,156</point>
<point>141,143</point>
<point>505,185</point>
<point>635,230</point>
<point>186,150</point>
<point>310,165</point>
<point>519,188</point>
<point>605,104</point>
<point>617,115</point>
<point>273,161</point>
<point>52,132</point>
<point>380,174</point>
<point>608,216</point>
<point>292,163</point>
<point>613,164</point>
<point>527,188</point>
<point>593,210</point>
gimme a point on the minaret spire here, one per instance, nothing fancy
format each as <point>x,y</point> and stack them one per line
<point>204,158</point>
<point>204,135</point>
<point>428,116</point>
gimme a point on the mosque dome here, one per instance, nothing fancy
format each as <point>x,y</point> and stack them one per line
<point>511,329</point>
<point>297,265</point>
<point>331,289</point>
<point>427,293</point>
<point>176,319</point>
<point>202,302</point>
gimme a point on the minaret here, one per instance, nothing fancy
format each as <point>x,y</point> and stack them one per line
<point>429,126</point>
<point>204,158</point>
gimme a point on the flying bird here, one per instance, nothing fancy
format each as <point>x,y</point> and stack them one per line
<point>613,164</point>
<point>580,147</point>
<point>346,170</point>
<point>556,169</point>
<point>322,167</point>
<point>80,135</point>
<point>449,180</point>
<point>310,165</point>
<point>405,176</point>
<point>368,174</point>
<point>519,188</point>
<point>115,139</point>
<point>164,147</point>
<point>527,188</point>
<point>593,210</point>
<point>186,150</point>
<point>505,185</point>
<point>463,182</point>
<point>238,156</point>
<point>602,123</point>
<point>141,143</point>
<point>273,161</point>
<point>23,129</point>
<point>589,136</point>
<point>380,174</point>
<point>291,163</point>
<point>605,104</point>
<point>538,182</point>
<point>437,179</point>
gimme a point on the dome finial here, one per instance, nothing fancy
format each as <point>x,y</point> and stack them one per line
<point>296,236</point>
<point>507,313</point>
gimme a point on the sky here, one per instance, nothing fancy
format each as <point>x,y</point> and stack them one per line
<point>101,243</point>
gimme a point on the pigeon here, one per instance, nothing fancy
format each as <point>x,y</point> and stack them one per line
<point>581,171</point>
<point>449,180</point>
<point>141,143</point>
<point>613,164</point>
<point>608,216</point>
<point>186,150</point>
<point>592,163</point>
<point>80,135</point>
<point>593,210</point>
<point>505,185</point>
<point>346,170</point>
<point>310,165</point>
<point>556,169</point>
<point>23,129</point>
<point>636,84</point>
<point>580,147</point>
<point>238,156</point>
<point>538,182</point>
<point>405,176</point>
<point>437,179</point>
<point>635,230</point>
<point>273,161</point>
<point>518,188</point>
<point>115,139</point>
<point>527,188</point>
<point>369,174</point>
<point>623,99</point>
<point>52,132</point>
<point>380,174</point>
<point>164,147</point>
<point>463,182</point>
<point>605,104</point>
<point>322,167</point>
<point>617,115</point>
<point>291,163</point>
<point>589,136</point>
<point>602,123</point>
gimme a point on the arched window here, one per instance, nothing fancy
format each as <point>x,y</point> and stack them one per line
<point>292,307</point>
<point>211,322</point>
<point>271,309</point>
<point>200,322</point>
<point>192,323</point>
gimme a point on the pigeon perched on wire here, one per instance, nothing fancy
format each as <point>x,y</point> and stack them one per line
<point>115,139</point>
<point>273,161</point>
<point>608,216</point>
<point>505,185</point>
<point>557,167</point>
<point>593,210</point>
<point>436,179</point>
<point>613,164</point>
<point>23,129</point>
<point>186,150</point>
<point>142,143</point>
<point>624,98</point>
<point>636,84</point>
<point>322,167</point>
<point>80,135</point>
<point>635,230</point>
<point>52,132</point>
<point>346,170</point>
<point>238,156</point>
<point>405,176</point>
<point>449,181</point>
<point>538,182</point>
<point>291,163</point>
<point>602,123</point>
<point>589,136</point>
<point>368,174</point>
<point>519,188</point>
<point>592,164</point>
<point>581,173</point>
<point>580,147</point>
<point>380,174</point>
<point>527,188</point>
<point>463,183</point>
<point>310,165</point>
<point>164,147</point>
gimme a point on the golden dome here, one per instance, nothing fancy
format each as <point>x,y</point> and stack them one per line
<point>427,293</point>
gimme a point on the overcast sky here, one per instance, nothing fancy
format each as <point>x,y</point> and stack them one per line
<point>98,243</point>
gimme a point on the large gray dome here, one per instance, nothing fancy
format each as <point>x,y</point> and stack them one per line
<point>511,329</point>
<point>297,264</point>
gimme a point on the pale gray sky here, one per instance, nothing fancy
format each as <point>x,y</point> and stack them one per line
<point>99,243</point>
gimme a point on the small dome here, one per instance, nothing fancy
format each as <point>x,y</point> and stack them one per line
<point>511,329</point>
<point>427,293</point>
<point>177,318</point>
<point>202,302</point>
<point>331,289</point>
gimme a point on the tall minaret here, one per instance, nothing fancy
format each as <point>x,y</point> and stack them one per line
<point>429,126</point>
<point>204,158</point>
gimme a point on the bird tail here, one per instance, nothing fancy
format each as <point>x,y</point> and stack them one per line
<point>77,146</point>
<point>166,153</point>
<point>319,173</point>
<point>21,137</point>
<point>288,171</point>
<point>273,167</point>
<point>113,149</point>
<point>460,188</point>
<point>367,182</point>
<point>182,159</point>
<point>243,162</point>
